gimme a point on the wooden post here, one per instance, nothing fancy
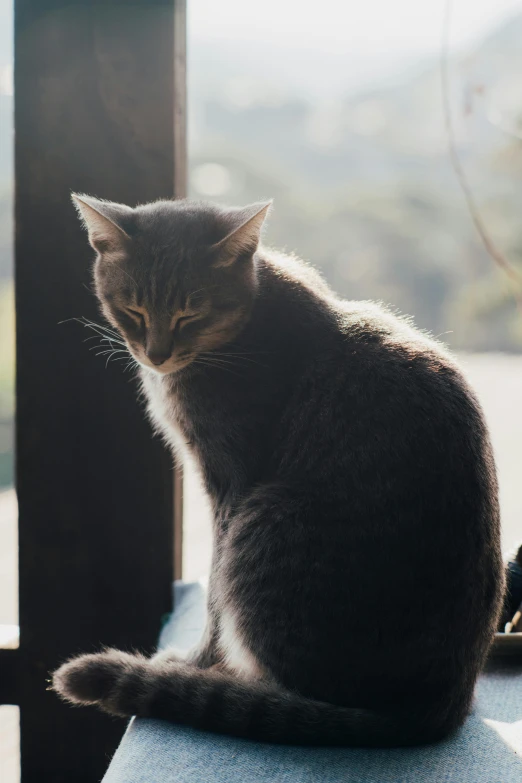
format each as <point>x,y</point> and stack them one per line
<point>95,109</point>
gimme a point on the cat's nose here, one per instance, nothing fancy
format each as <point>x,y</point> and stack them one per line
<point>158,357</point>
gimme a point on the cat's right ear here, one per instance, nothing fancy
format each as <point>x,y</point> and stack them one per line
<point>107,223</point>
<point>244,233</point>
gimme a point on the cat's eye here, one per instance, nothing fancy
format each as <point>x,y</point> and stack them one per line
<point>183,319</point>
<point>136,316</point>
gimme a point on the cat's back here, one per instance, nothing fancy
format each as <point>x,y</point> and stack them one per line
<point>364,352</point>
<point>382,379</point>
<point>406,380</point>
<point>386,447</point>
<point>384,407</point>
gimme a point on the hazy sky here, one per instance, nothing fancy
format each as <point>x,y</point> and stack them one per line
<point>381,33</point>
<point>397,27</point>
<point>363,26</point>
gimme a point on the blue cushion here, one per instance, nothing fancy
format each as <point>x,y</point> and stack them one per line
<point>154,751</point>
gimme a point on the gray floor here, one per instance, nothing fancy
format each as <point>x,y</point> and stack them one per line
<point>498,382</point>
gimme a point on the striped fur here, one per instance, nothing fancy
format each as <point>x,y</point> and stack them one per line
<point>356,575</point>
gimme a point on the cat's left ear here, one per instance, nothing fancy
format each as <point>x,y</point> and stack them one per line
<point>244,236</point>
<point>107,223</point>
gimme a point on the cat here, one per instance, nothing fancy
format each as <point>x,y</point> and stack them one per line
<point>356,577</point>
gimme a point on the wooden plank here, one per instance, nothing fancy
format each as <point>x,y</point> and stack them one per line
<point>10,679</point>
<point>180,90</point>
<point>95,108</point>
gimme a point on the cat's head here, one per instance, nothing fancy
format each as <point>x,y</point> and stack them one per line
<point>176,278</point>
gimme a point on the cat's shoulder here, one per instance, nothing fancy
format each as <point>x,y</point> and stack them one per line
<point>292,271</point>
<point>368,329</point>
<point>378,326</point>
<point>386,348</point>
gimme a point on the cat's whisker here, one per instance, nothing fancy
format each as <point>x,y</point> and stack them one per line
<point>99,345</point>
<point>101,334</point>
<point>100,328</point>
<point>207,363</point>
<point>110,341</point>
<point>131,363</point>
<point>87,322</point>
<point>104,328</point>
<point>104,353</point>
<point>107,341</point>
<point>111,355</point>
<point>219,358</point>
<point>242,353</point>
<point>109,337</point>
<point>113,340</point>
<point>238,356</point>
<point>112,351</point>
<point>211,358</point>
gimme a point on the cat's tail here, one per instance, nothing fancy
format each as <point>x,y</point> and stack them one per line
<point>213,700</point>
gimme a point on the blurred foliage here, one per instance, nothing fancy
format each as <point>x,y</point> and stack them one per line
<point>406,243</point>
<point>363,187</point>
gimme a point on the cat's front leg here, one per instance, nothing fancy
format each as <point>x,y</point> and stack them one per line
<point>207,652</point>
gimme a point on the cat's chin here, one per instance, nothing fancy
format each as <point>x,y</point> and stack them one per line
<point>169,368</point>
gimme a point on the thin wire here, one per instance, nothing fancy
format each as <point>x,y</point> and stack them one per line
<point>473,208</point>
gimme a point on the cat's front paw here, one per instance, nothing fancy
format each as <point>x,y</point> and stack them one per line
<point>90,679</point>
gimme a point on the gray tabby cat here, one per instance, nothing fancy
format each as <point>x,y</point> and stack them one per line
<point>356,577</point>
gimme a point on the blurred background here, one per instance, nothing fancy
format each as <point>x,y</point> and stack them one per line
<point>338,115</point>
<point>336,111</point>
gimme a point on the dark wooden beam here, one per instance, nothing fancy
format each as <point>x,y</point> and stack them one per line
<point>95,112</point>
<point>9,676</point>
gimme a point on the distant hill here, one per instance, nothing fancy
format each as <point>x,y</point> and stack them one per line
<point>378,133</point>
<point>360,173</point>
<point>363,186</point>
